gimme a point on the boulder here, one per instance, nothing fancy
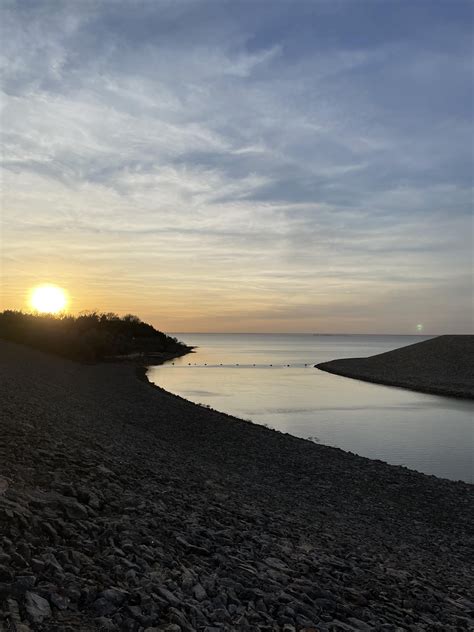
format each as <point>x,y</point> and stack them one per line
<point>37,608</point>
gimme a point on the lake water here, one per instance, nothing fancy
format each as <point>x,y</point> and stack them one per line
<point>271,380</point>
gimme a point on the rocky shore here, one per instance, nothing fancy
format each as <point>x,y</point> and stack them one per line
<point>123,507</point>
<point>442,366</point>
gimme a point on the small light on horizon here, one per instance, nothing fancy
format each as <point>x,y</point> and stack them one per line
<point>419,327</point>
<point>48,299</point>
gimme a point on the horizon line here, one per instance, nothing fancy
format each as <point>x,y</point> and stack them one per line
<point>300,333</point>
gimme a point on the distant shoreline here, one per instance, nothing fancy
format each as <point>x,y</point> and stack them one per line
<point>290,333</point>
<point>145,359</point>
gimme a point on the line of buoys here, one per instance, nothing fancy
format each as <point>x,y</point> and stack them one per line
<point>237,364</point>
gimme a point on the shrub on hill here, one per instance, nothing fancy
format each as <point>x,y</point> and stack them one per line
<point>89,337</point>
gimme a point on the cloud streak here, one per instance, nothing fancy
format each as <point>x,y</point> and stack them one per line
<point>204,164</point>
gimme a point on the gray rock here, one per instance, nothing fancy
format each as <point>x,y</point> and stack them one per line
<point>104,470</point>
<point>199,592</point>
<point>339,625</point>
<point>5,574</point>
<point>50,530</point>
<point>114,595</point>
<point>53,563</point>
<point>277,564</point>
<point>18,560</point>
<point>103,607</point>
<point>37,565</point>
<point>37,608</point>
<point>178,617</point>
<point>104,624</point>
<point>58,601</point>
<point>167,595</point>
<point>199,550</point>
<point>220,615</point>
<point>359,624</point>
<point>23,583</point>
<point>25,550</point>
<point>187,580</point>
<point>73,592</point>
<point>73,509</point>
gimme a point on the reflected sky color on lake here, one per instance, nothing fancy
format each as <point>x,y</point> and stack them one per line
<point>427,433</point>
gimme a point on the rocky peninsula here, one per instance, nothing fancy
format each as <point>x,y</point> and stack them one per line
<point>123,507</point>
<point>443,366</point>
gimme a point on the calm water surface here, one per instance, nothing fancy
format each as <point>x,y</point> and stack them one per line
<point>247,375</point>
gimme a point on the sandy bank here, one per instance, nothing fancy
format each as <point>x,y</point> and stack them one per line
<point>123,507</point>
<point>442,366</point>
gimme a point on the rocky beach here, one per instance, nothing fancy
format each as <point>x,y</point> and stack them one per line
<point>124,507</point>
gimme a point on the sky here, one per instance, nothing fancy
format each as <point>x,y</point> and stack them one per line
<point>284,166</point>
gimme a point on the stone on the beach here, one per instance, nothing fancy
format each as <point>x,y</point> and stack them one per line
<point>187,579</point>
<point>5,573</point>
<point>199,592</point>
<point>37,608</point>
<point>3,485</point>
<point>277,564</point>
<point>58,601</point>
<point>105,624</point>
<point>114,595</point>
<point>104,607</point>
<point>49,530</point>
<point>167,595</point>
<point>73,509</point>
<point>23,583</point>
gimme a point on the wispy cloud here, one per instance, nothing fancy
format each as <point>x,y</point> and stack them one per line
<point>206,164</point>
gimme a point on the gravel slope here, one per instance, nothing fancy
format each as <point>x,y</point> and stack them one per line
<point>442,365</point>
<point>123,507</point>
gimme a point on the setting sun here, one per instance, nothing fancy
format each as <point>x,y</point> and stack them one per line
<point>48,299</point>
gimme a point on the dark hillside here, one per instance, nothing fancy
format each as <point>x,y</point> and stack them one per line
<point>442,365</point>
